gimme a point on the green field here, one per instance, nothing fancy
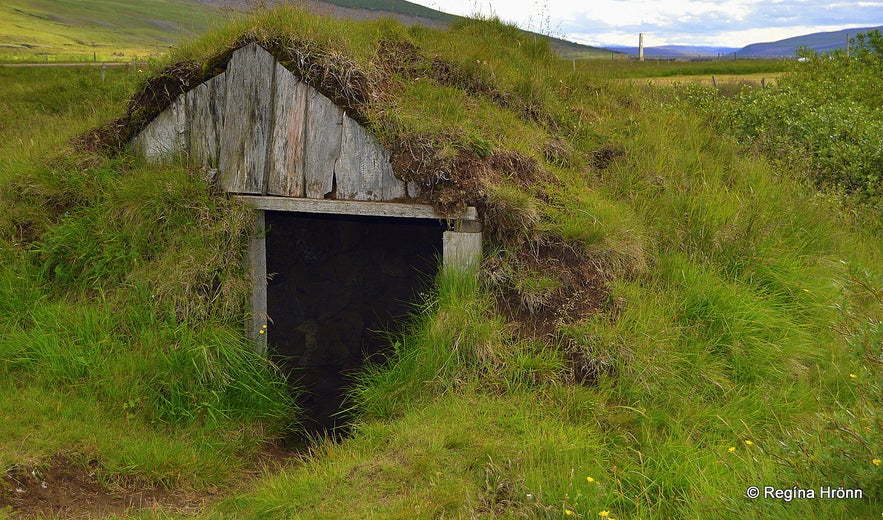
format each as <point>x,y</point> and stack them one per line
<point>681,296</point>
<point>623,68</point>
<point>73,30</point>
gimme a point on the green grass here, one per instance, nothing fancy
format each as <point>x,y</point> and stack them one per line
<point>736,341</point>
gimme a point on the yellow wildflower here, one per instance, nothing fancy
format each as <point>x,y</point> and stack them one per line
<point>876,462</point>
<point>604,514</point>
<point>590,480</point>
<point>853,376</point>
<point>749,443</point>
<point>732,449</point>
<point>568,512</point>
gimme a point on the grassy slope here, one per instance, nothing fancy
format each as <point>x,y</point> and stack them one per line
<point>90,365</point>
<point>73,29</point>
<point>735,348</point>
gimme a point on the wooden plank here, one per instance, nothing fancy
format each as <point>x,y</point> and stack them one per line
<point>248,114</point>
<point>205,111</point>
<point>324,121</point>
<point>363,170</point>
<point>391,187</point>
<point>286,168</point>
<point>461,250</point>
<point>355,178</point>
<point>164,138</point>
<point>353,207</point>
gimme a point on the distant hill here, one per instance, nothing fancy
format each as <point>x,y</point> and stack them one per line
<point>52,29</point>
<point>401,7</point>
<point>820,42</point>
<point>406,12</point>
<point>677,51</point>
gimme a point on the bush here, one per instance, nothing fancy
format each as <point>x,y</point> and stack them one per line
<point>826,109</point>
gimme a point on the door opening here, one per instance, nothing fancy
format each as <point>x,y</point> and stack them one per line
<point>336,284</point>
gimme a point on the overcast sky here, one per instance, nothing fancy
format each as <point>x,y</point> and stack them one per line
<point>673,22</point>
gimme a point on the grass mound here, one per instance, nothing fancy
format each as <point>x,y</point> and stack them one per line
<point>663,317</point>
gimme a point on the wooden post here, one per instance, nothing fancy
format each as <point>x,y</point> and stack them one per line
<point>461,248</point>
<point>640,46</point>
<point>257,269</point>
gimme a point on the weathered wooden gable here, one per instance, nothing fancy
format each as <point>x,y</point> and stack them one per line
<point>268,133</point>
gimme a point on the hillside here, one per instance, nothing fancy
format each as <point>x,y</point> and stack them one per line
<point>819,42</point>
<point>409,14</point>
<point>80,30</point>
<point>669,311</point>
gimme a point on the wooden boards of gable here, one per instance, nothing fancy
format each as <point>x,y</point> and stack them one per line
<point>363,171</point>
<point>324,120</point>
<point>268,133</point>
<point>248,116</point>
<point>165,136</point>
<point>286,176</point>
<point>205,108</point>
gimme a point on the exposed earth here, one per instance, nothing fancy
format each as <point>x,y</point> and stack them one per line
<point>75,487</point>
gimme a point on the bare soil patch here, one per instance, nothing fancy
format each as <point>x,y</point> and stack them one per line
<point>71,487</point>
<point>582,292</point>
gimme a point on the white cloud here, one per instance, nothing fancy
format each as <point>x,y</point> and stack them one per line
<point>733,23</point>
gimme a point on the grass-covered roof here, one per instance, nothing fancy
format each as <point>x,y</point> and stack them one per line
<point>482,114</point>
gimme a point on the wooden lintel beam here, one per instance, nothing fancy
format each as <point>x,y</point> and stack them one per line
<point>352,207</point>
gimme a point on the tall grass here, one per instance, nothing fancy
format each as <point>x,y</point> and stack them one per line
<point>122,297</point>
<point>455,341</point>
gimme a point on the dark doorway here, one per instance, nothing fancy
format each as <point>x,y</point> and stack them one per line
<point>336,283</point>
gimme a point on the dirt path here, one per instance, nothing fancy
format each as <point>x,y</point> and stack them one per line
<point>768,78</point>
